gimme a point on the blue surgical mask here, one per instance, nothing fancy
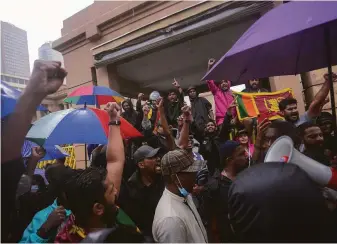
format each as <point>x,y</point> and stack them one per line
<point>183,191</point>
<point>34,188</point>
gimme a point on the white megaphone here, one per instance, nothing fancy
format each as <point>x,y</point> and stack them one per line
<point>282,150</point>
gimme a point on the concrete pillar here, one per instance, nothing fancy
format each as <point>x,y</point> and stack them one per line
<point>102,76</point>
<point>114,79</point>
<point>80,156</point>
<point>289,81</point>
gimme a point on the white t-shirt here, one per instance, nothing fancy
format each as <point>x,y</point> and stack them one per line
<point>302,119</point>
<point>177,220</point>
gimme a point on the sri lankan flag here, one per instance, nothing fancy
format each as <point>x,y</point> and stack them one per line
<point>251,105</point>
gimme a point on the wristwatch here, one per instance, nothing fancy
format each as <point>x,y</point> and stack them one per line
<point>116,122</point>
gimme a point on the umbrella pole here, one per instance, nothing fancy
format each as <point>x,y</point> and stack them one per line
<point>332,92</point>
<point>85,155</point>
<point>96,102</point>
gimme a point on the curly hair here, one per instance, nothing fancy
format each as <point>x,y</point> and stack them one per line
<point>285,102</point>
<point>84,190</point>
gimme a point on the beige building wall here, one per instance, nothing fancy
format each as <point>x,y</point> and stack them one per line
<point>108,24</point>
<point>313,83</point>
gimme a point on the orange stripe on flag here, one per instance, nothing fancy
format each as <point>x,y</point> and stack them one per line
<point>250,105</point>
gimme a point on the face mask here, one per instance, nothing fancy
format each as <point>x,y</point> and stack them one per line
<point>181,189</point>
<point>34,188</point>
<point>183,192</point>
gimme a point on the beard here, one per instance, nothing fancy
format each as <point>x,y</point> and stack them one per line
<point>293,117</point>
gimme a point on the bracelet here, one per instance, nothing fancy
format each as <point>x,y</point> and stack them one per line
<point>116,122</point>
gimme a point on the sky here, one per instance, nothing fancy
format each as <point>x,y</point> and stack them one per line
<point>42,19</point>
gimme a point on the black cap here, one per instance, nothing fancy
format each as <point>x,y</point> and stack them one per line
<point>145,152</point>
<point>228,148</point>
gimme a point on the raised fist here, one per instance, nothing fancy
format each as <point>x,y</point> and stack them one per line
<point>38,152</point>
<point>113,110</point>
<point>141,96</point>
<point>47,77</point>
<point>160,102</point>
<point>175,83</point>
<point>187,113</point>
<point>211,62</point>
<point>146,109</point>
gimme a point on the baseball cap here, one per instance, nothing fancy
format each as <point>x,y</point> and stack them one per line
<point>145,151</point>
<point>227,148</point>
<point>178,161</point>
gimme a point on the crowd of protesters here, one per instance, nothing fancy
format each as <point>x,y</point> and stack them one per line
<point>196,175</point>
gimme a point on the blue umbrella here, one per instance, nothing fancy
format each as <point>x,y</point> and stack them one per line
<point>9,97</point>
<point>85,125</point>
<point>293,38</point>
<point>54,152</point>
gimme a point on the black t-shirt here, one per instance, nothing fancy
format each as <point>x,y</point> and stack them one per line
<point>219,186</point>
<point>140,201</point>
<point>11,172</point>
<point>317,156</point>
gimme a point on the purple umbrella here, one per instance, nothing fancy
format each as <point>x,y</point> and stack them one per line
<point>293,38</point>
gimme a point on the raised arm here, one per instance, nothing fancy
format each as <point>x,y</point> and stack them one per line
<point>225,127</point>
<point>209,108</point>
<point>164,124</point>
<point>258,146</point>
<point>139,103</point>
<point>211,84</point>
<point>319,100</point>
<point>37,154</point>
<point>115,149</point>
<point>181,92</point>
<point>46,78</point>
<point>185,131</point>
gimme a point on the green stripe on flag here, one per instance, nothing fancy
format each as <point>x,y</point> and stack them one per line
<point>241,107</point>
